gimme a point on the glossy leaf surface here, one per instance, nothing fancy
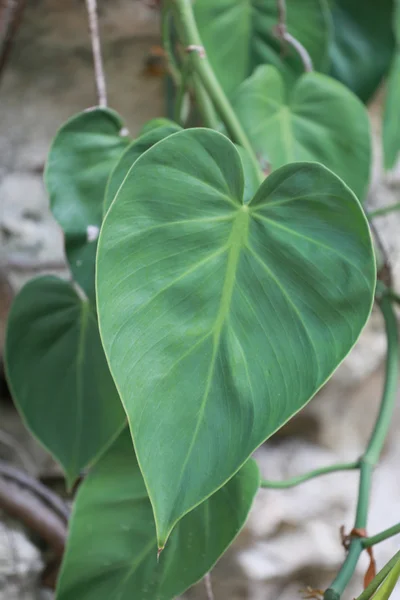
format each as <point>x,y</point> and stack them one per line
<point>131,154</point>
<point>391,115</point>
<point>363,43</point>
<point>239,35</point>
<point>58,374</point>
<point>81,158</point>
<point>319,119</point>
<point>112,546</point>
<point>220,319</point>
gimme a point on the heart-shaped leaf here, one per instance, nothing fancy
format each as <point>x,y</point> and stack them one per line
<point>58,374</point>
<point>221,319</point>
<point>363,43</point>
<point>131,154</point>
<point>391,116</point>
<point>239,35</point>
<point>81,158</point>
<point>319,119</point>
<point>112,546</point>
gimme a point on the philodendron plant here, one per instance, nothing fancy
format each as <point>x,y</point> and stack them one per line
<point>219,276</point>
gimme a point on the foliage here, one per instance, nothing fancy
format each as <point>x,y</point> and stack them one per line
<point>234,272</point>
<point>120,546</point>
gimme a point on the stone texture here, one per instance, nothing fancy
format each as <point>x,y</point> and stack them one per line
<point>292,537</point>
<point>20,565</point>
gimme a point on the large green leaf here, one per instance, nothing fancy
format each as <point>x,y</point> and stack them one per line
<point>81,158</point>
<point>112,547</point>
<point>319,119</point>
<point>58,374</point>
<point>132,153</point>
<point>363,43</point>
<point>391,115</point>
<point>241,34</point>
<point>221,319</point>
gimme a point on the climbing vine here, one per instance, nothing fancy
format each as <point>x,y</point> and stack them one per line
<point>222,267</point>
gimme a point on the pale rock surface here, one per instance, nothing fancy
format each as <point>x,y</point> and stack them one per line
<point>20,564</point>
<point>292,537</point>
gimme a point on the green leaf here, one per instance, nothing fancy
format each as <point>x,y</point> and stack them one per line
<point>112,546</point>
<point>131,154</point>
<point>387,587</point>
<point>155,124</point>
<point>239,35</point>
<point>391,116</point>
<point>81,158</point>
<point>58,374</point>
<point>221,319</point>
<point>363,43</point>
<point>319,119</point>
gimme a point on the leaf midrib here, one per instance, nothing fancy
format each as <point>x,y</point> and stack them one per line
<point>237,240</point>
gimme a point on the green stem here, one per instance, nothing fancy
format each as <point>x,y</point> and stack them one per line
<point>180,97</point>
<point>166,41</point>
<point>379,578</point>
<point>205,105</point>
<point>379,212</point>
<point>395,297</point>
<point>381,537</point>
<point>373,451</point>
<point>265,483</point>
<point>187,28</point>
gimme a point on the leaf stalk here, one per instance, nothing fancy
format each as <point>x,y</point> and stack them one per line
<point>293,481</point>
<point>190,37</point>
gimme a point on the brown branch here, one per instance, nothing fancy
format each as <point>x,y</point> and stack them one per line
<point>91,6</point>
<point>287,37</point>
<point>35,515</point>
<point>208,586</point>
<point>10,20</point>
<point>41,491</point>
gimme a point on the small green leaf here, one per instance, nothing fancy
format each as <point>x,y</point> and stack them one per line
<point>81,158</point>
<point>131,154</point>
<point>363,43</point>
<point>58,374</point>
<point>112,546</point>
<point>239,35</point>
<point>318,119</point>
<point>221,319</point>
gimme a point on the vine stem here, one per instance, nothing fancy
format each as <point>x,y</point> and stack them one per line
<point>291,40</point>
<point>187,27</point>
<point>379,212</point>
<point>381,537</point>
<point>293,481</point>
<point>208,586</point>
<point>373,451</point>
<point>100,79</point>
<point>379,578</point>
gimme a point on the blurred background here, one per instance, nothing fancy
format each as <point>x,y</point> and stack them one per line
<point>292,539</point>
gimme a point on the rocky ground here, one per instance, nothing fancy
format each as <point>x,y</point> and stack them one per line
<point>292,537</point>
